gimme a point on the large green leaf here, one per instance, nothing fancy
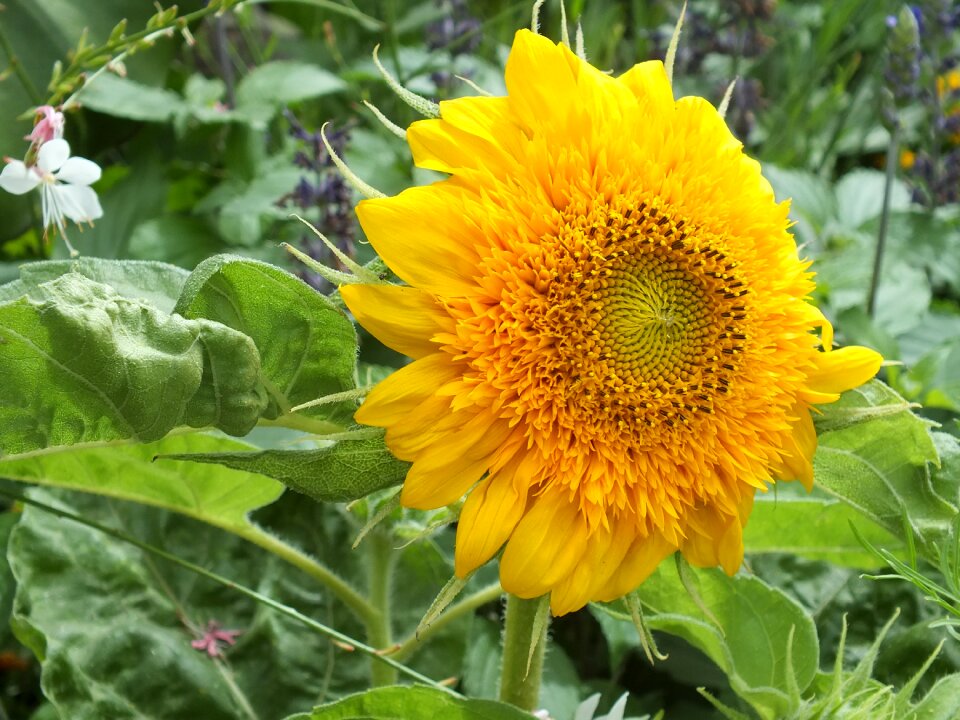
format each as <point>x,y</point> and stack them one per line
<point>814,527</point>
<point>876,455</point>
<point>764,641</point>
<point>113,626</point>
<point>83,364</point>
<point>156,283</point>
<point>217,495</point>
<point>347,470</point>
<point>307,346</point>
<point>404,703</point>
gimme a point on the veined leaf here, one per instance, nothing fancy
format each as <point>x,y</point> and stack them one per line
<point>876,455</point>
<point>113,625</point>
<point>815,528</point>
<point>82,364</point>
<point>758,627</point>
<point>404,703</point>
<point>307,346</point>
<point>156,283</point>
<point>218,496</point>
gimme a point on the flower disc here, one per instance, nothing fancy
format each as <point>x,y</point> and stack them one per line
<point>609,320</point>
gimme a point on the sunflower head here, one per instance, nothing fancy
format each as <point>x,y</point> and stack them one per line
<point>612,337</point>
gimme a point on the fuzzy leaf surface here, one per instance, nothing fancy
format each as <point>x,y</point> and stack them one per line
<point>113,625</point>
<point>879,457</point>
<point>307,346</point>
<point>82,364</point>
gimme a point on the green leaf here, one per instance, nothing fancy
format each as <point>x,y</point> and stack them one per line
<point>750,643</point>
<point>82,364</point>
<point>307,346</point>
<point>113,625</point>
<point>156,283</point>
<point>217,496</point>
<point>403,703</point>
<point>874,454</point>
<point>274,85</point>
<point>815,528</point>
<point>942,702</point>
<point>347,470</point>
<point>125,98</point>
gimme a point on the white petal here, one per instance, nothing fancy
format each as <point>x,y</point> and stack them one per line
<point>79,171</point>
<point>616,712</point>
<point>17,178</point>
<point>53,154</point>
<point>586,709</point>
<point>77,202</point>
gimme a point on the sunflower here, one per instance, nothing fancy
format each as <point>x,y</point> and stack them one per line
<point>612,340</point>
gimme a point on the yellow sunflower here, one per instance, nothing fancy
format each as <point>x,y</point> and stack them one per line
<point>610,326</point>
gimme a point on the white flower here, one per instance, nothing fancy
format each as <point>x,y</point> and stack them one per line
<point>588,707</point>
<point>64,184</point>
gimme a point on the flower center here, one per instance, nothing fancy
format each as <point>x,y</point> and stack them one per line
<point>626,321</point>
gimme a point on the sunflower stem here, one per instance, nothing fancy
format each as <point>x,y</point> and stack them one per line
<point>891,170</point>
<point>523,651</point>
<point>380,558</point>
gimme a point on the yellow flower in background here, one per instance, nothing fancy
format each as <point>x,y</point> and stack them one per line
<point>610,325</point>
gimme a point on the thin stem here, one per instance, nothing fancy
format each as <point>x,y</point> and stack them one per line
<point>522,654</point>
<point>345,640</point>
<point>147,36</point>
<point>454,612</point>
<point>891,170</point>
<point>345,592</point>
<point>17,66</point>
<point>381,557</point>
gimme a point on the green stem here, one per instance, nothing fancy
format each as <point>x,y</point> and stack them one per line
<point>522,654</point>
<point>17,66</point>
<point>345,592</point>
<point>454,612</point>
<point>893,156</point>
<point>380,558</point>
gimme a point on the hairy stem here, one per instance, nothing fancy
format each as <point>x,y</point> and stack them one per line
<point>522,654</point>
<point>381,557</point>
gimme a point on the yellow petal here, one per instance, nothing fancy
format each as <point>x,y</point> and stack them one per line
<point>444,471</point>
<point>640,560</point>
<point>545,546</point>
<point>715,538</point>
<point>423,238</point>
<point>648,82</point>
<point>605,551</point>
<point>488,118</point>
<point>395,397</point>
<point>402,318</point>
<point>489,515</point>
<point>473,133</point>
<point>800,443</point>
<point>844,368</point>
<point>539,79</point>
